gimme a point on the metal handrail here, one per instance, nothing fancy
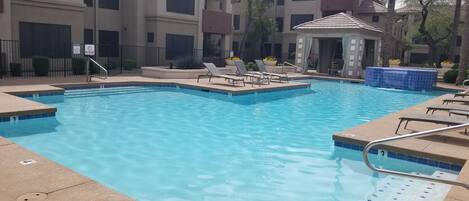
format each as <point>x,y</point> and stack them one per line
<point>464,82</point>
<point>290,64</point>
<point>419,134</point>
<point>106,73</point>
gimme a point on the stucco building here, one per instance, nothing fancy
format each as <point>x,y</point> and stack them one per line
<point>147,31</point>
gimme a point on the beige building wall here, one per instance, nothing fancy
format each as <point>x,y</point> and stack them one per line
<point>70,12</point>
<point>5,21</point>
<point>106,19</point>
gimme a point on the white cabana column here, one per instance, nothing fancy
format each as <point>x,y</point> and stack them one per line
<point>303,48</point>
<point>353,52</point>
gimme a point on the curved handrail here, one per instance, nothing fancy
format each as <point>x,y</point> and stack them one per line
<point>106,73</point>
<point>419,134</point>
<point>464,82</point>
<point>290,64</point>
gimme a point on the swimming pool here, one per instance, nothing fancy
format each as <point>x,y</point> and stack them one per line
<point>167,143</point>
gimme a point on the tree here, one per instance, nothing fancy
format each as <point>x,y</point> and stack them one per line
<point>435,26</point>
<point>388,37</point>
<point>454,30</point>
<point>254,10</point>
<point>263,27</point>
<point>463,62</point>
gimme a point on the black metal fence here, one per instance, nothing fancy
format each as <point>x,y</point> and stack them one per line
<point>16,59</point>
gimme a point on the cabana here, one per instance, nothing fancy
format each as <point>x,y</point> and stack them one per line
<point>338,44</point>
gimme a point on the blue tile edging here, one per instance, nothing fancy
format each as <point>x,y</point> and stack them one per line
<point>405,157</point>
<point>29,95</point>
<point>28,116</point>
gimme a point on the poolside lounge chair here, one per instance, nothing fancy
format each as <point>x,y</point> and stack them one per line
<point>434,108</point>
<point>437,119</point>
<point>213,72</point>
<point>242,71</point>
<point>462,94</point>
<point>455,100</point>
<point>260,64</point>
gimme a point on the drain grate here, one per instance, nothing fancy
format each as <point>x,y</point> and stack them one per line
<point>32,197</point>
<point>394,188</point>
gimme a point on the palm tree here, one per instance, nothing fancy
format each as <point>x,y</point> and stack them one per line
<point>464,49</point>
<point>454,30</point>
<point>388,38</point>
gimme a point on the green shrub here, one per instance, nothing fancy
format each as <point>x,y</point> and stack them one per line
<point>251,66</point>
<point>3,63</point>
<point>129,64</point>
<point>78,66</point>
<point>189,63</point>
<point>41,66</point>
<point>94,69</point>
<point>455,67</point>
<point>111,65</point>
<point>451,75</point>
<point>15,69</point>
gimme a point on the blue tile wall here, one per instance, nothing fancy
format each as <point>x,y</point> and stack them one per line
<point>400,156</point>
<point>40,94</point>
<point>29,116</point>
<point>416,79</point>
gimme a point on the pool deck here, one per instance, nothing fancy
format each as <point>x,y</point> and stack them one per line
<point>57,183</point>
<point>450,147</point>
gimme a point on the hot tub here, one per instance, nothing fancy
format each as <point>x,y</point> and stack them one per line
<point>407,78</point>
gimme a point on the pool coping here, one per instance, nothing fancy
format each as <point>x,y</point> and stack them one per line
<point>58,89</point>
<point>445,150</point>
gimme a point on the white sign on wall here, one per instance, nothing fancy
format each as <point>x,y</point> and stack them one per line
<point>89,50</point>
<point>76,49</point>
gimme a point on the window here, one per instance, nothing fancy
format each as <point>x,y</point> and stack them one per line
<point>181,6</point>
<point>267,49</point>
<point>88,3</point>
<point>298,19</point>
<point>178,46</point>
<point>89,35</point>
<point>457,58</point>
<point>280,2</point>
<point>291,50</point>
<point>150,37</point>
<point>418,58</point>
<point>278,51</point>
<point>109,4</point>
<point>108,43</point>
<point>1,6</point>
<point>375,18</point>
<point>458,41</point>
<point>236,22</point>
<point>235,47</point>
<point>50,40</point>
<point>279,21</point>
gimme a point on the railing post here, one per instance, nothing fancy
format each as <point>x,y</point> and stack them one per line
<point>122,56</point>
<point>1,61</point>
<point>65,59</point>
<point>87,70</point>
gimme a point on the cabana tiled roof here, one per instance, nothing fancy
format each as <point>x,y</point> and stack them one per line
<point>337,21</point>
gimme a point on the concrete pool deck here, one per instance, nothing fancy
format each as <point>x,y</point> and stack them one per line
<point>450,147</point>
<point>60,183</point>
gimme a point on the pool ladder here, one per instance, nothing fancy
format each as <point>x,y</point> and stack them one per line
<point>371,144</point>
<point>89,76</point>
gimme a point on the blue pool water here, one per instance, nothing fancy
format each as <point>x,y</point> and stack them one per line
<point>165,143</point>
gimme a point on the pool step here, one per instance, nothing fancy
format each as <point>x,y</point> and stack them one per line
<point>394,188</point>
<point>107,91</point>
